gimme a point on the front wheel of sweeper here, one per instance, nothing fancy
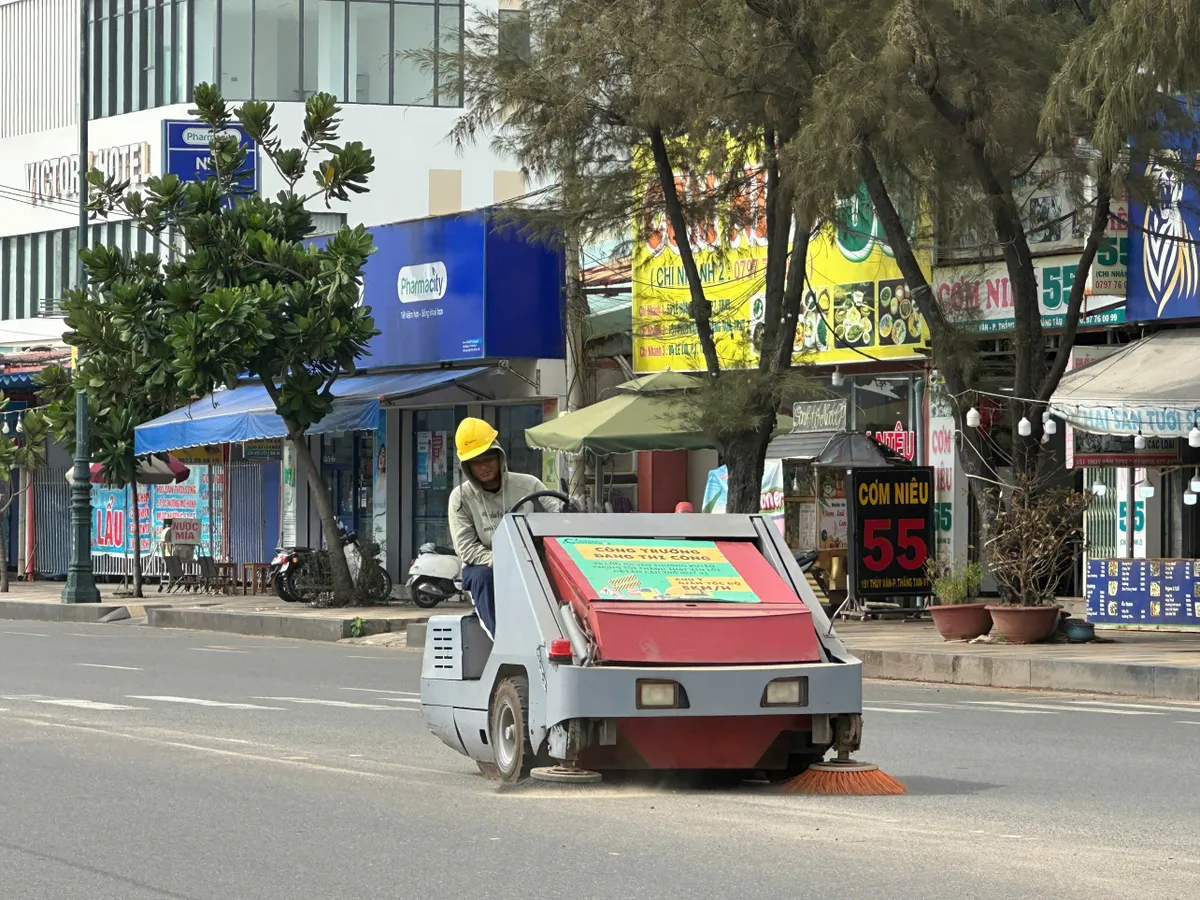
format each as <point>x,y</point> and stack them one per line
<point>509,731</point>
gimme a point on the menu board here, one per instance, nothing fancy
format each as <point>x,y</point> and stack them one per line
<point>1143,591</point>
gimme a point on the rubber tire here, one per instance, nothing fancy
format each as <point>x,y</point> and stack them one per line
<point>385,581</point>
<point>423,600</point>
<point>512,694</point>
<point>281,591</point>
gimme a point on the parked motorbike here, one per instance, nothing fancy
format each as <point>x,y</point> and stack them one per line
<point>435,575</point>
<point>808,563</point>
<point>285,561</point>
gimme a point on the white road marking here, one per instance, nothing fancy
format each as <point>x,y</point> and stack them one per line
<point>1060,708</point>
<point>402,699</point>
<point>196,701</point>
<point>910,712</point>
<point>382,691</point>
<point>213,737</point>
<point>1140,706</point>
<point>102,666</point>
<point>338,703</point>
<point>376,658</point>
<point>27,633</point>
<point>1020,712</point>
<point>216,650</point>
<point>77,704</point>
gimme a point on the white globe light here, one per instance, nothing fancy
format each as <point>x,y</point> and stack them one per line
<point>1195,485</point>
<point>1024,427</point>
<point>972,418</point>
<point>1050,426</point>
<point>1194,437</point>
<point>1099,488</point>
<point>1189,498</point>
<point>1139,441</point>
<point>836,378</point>
<point>1146,491</point>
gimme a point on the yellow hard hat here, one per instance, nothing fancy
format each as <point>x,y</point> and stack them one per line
<point>474,436</point>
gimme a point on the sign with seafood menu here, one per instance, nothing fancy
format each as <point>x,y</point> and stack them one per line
<point>856,306</point>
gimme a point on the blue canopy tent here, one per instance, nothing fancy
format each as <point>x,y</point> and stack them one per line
<point>247,413</point>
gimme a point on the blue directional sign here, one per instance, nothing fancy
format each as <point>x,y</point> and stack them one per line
<point>186,153</point>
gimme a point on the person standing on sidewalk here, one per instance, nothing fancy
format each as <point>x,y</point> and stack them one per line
<point>487,491</point>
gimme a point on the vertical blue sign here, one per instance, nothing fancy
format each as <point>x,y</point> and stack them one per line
<point>186,153</point>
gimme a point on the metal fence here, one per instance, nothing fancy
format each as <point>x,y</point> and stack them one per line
<point>247,513</point>
<point>52,521</point>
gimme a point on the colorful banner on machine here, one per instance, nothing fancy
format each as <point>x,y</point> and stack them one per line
<point>856,306</point>
<point>657,570</point>
<point>716,491</point>
<point>112,516</point>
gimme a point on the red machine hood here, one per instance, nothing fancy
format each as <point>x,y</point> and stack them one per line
<point>776,628</point>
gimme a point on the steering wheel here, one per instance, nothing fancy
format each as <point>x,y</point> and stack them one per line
<point>568,503</point>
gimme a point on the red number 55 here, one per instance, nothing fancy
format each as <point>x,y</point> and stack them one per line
<point>914,543</point>
<point>881,554</point>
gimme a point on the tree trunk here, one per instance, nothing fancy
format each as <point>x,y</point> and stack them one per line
<point>343,584</point>
<point>137,541</point>
<point>4,546</point>
<point>745,455</point>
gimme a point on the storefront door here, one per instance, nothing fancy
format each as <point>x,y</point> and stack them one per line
<point>346,459</point>
<point>433,473</point>
<point>511,422</point>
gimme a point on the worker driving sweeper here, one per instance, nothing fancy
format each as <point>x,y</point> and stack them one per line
<point>487,491</point>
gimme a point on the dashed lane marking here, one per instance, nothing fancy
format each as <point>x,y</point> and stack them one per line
<point>197,701</point>
<point>103,666</point>
<point>66,701</point>
<point>343,704</point>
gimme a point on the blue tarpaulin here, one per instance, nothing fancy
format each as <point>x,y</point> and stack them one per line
<point>247,413</point>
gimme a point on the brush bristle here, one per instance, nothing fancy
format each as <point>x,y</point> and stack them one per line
<point>873,783</point>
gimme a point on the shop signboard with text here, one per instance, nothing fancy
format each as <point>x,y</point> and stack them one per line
<point>950,482</point>
<point>979,297</point>
<point>856,306</point>
<point>1164,245</point>
<point>187,153</point>
<point>458,288</point>
<point>892,526</point>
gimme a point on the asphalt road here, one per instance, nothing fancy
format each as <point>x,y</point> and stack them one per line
<point>138,763</point>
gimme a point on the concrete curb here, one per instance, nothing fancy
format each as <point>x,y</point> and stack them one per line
<point>57,612</point>
<point>1037,673</point>
<point>308,628</point>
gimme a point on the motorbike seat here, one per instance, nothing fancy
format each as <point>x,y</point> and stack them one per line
<point>436,549</point>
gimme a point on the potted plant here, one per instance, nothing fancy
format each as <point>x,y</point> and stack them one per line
<point>956,615</point>
<point>1033,534</point>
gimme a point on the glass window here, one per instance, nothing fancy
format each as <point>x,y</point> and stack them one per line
<point>434,473</point>
<point>237,48</point>
<point>324,48</point>
<point>170,57</point>
<point>277,49</point>
<point>124,63</point>
<point>9,272</point>
<point>204,42</point>
<point>137,49</point>
<point>370,52</point>
<point>414,31</point>
<point>104,53</point>
<point>180,88</point>
<point>449,92</point>
<point>514,34</point>
<point>511,422</point>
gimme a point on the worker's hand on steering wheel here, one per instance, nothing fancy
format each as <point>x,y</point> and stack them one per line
<point>568,505</point>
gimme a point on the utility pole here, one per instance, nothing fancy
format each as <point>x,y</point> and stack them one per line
<point>81,586</point>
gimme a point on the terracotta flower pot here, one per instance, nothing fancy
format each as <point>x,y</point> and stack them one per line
<point>962,621</point>
<point>1025,624</point>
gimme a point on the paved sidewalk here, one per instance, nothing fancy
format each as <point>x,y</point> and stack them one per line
<point>1144,664</point>
<point>264,615</point>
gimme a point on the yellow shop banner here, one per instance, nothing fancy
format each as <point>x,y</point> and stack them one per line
<point>856,305</point>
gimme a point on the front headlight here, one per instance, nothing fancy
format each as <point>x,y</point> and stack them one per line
<point>786,692</point>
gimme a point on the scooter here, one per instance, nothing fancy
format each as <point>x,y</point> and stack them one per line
<point>286,559</point>
<point>435,575</point>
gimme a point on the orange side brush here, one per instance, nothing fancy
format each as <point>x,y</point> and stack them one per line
<point>844,777</point>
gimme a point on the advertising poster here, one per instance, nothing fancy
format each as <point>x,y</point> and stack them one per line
<point>379,488</point>
<point>893,529</point>
<point>111,525</point>
<point>1146,593</point>
<point>288,496</point>
<point>950,482</point>
<point>424,459</point>
<point>112,517</point>
<point>438,461</point>
<point>855,306</point>
<point>657,570</point>
<point>716,492</point>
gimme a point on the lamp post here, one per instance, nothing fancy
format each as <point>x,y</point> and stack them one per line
<point>81,586</point>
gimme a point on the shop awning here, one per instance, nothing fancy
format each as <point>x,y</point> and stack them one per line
<point>805,445</point>
<point>1151,386</point>
<point>247,414</point>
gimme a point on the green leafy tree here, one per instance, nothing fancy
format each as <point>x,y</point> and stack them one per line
<point>624,128</point>
<point>244,292</point>
<point>21,451</point>
<point>121,325</point>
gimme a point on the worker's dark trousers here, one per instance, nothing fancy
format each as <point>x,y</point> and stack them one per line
<point>478,580</point>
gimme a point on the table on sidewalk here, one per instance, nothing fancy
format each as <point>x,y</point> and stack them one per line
<point>254,576</point>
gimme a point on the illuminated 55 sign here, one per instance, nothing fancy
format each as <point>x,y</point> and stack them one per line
<point>893,525</point>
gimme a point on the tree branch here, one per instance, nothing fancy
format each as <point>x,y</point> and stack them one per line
<point>701,306</point>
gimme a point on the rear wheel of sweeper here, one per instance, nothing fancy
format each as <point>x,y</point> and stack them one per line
<point>508,730</point>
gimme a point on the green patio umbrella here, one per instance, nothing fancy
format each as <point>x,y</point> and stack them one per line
<point>641,415</point>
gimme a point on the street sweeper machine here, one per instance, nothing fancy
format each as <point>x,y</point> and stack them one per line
<point>667,642</point>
